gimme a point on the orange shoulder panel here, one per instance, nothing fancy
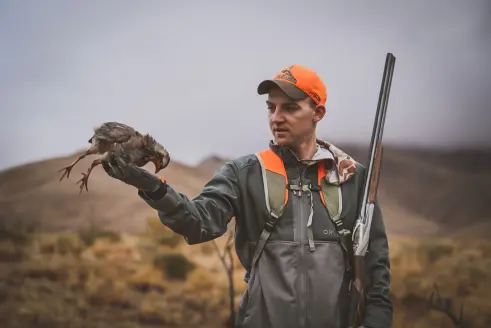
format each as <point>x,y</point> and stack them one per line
<point>321,174</point>
<point>272,162</point>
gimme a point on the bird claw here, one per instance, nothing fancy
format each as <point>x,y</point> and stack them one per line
<point>67,170</point>
<point>83,182</point>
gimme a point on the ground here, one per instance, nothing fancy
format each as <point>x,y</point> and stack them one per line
<point>154,279</point>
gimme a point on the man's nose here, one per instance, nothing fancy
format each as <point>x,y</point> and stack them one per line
<point>277,116</point>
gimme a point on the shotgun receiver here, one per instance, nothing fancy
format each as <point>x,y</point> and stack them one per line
<point>361,231</point>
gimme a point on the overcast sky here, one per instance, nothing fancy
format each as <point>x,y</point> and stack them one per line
<point>187,71</point>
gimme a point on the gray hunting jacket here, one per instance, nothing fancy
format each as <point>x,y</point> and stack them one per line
<point>292,286</point>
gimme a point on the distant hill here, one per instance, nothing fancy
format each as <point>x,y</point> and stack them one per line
<point>33,195</point>
<point>422,193</point>
<point>451,189</point>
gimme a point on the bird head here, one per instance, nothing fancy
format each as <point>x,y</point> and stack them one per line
<point>158,155</point>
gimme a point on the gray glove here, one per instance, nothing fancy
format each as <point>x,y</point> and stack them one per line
<point>131,174</point>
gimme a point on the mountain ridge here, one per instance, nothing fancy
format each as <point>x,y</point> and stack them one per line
<point>421,192</point>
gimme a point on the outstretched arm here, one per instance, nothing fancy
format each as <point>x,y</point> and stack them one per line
<point>204,217</point>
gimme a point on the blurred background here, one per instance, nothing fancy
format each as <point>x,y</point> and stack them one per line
<point>187,73</point>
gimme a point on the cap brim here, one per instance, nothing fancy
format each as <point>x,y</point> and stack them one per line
<point>289,89</point>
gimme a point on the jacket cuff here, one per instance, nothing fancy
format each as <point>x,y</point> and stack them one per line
<point>154,195</point>
<point>164,199</point>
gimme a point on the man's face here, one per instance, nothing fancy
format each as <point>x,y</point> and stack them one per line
<point>290,121</point>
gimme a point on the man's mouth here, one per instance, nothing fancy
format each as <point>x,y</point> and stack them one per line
<point>280,130</point>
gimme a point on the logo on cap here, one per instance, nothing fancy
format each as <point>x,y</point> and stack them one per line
<point>286,75</point>
<point>316,96</point>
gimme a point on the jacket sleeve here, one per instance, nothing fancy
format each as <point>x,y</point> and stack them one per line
<point>205,217</point>
<point>379,307</point>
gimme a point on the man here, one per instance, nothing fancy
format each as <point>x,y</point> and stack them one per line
<point>289,202</point>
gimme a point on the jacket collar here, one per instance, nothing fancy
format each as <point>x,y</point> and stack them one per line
<point>345,164</point>
<point>340,167</point>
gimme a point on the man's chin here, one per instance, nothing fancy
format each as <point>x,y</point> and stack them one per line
<point>283,142</point>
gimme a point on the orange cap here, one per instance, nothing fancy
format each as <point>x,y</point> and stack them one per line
<point>298,82</point>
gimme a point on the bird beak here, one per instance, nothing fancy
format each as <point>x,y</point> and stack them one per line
<point>160,163</point>
<point>156,162</point>
<point>165,161</point>
<point>158,166</point>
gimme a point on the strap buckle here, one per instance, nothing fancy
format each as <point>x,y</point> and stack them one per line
<point>302,187</point>
<point>299,188</point>
<point>270,222</point>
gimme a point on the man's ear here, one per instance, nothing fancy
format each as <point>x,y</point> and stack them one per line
<point>319,112</point>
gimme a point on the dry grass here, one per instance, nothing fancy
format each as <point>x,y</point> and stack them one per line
<point>61,280</point>
<point>460,267</point>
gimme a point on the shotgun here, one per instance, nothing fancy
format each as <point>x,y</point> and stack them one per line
<point>361,231</point>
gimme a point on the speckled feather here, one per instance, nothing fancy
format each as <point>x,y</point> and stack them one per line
<point>136,150</point>
<point>110,133</point>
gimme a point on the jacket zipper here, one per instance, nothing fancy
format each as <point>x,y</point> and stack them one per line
<point>302,269</point>
<point>301,232</point>
<point>303,272</point>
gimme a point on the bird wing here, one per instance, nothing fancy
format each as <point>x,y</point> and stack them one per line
<point>132,151</point>
<point>115,132</point>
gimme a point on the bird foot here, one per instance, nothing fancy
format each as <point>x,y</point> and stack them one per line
<point>67,170</point>
<point>83,182</point>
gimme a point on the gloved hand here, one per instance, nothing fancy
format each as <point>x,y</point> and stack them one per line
<point>131,174</point>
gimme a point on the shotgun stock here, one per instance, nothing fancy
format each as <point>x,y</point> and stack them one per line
<point>361,231</point>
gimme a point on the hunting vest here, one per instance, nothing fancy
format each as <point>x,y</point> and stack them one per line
<point>276,187</point>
